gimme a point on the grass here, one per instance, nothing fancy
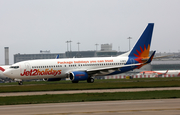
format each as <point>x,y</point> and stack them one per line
<point>98,84</point>
<point>89,97</point>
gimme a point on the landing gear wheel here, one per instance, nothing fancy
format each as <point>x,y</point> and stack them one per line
<point>90,80</point>
<point>20,82</point>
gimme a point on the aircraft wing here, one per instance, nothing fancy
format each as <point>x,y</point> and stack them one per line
<point>108,70</point>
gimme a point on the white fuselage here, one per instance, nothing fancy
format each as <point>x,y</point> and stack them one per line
<point>59,68</point>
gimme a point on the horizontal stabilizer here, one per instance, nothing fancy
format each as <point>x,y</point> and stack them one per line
<point>150,59</point>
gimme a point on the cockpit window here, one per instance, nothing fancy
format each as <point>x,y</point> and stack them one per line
<point>15,67</point>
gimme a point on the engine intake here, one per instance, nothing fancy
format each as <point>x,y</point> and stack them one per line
<point>78,76</point>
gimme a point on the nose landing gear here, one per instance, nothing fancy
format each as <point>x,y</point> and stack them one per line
<point>20,82</point>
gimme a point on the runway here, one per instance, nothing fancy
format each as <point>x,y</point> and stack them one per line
<point>87,91</point>
<point>128,107</point>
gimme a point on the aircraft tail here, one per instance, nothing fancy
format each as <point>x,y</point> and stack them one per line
<point>57,57</point>
<point>142,46</point>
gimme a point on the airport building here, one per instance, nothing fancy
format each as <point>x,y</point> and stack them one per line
<point>6,51</point>
<point>106,51</point>
<point>165,65</point>
<point>42,55</point>
<point>73,54</point>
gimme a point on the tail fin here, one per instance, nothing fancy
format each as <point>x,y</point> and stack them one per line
<point>2,69</point>
<point>142,46</point>
<point>57,57</point>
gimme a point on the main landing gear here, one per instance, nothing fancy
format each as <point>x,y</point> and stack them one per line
<point>90,80</point>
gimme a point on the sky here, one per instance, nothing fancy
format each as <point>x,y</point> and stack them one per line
<point>28,26</point>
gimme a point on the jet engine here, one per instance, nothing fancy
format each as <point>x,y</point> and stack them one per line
<point>78,76</point>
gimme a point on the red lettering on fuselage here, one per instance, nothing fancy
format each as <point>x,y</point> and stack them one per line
<point>35,72</point>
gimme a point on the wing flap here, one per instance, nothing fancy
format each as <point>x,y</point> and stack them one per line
<point>106,70</point>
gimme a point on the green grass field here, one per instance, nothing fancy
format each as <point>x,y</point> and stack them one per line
<point>98,84</point>
<point>88,97</point>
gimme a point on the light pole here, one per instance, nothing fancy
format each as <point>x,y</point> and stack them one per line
<point>78,46</point>
<point>67,44</point>
<point>70,44</point>
<point>78,54</point>
<point>70,47</point>
<point>129,42</point>
<point>67,47</point>
<point>96,46</point>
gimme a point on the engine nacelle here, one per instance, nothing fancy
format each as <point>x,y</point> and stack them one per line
<point>52,79</point>
<point>78,76</point>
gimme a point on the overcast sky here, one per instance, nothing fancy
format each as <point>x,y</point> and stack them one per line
<point>28,26</point>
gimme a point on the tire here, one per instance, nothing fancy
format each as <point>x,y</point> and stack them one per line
<point>20,83</point>
<point>90,80</point>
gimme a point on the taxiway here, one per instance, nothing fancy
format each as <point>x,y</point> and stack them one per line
<point>87,91</point>
<point>128,107</point>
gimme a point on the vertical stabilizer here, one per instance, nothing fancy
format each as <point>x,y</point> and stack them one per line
<point>142,46</point>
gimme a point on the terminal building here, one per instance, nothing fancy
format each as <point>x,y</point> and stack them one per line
<point>42,55</point>
<point>106,51</point>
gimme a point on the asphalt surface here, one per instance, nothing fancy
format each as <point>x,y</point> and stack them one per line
<point>128,107</point>
<point>87,91</point>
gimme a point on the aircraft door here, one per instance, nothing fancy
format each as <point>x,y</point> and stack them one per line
<point>27,66</point>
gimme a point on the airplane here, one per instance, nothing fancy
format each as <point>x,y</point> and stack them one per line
<point>57,57</point>
<point>161,73</point>
<point>78,69</point>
